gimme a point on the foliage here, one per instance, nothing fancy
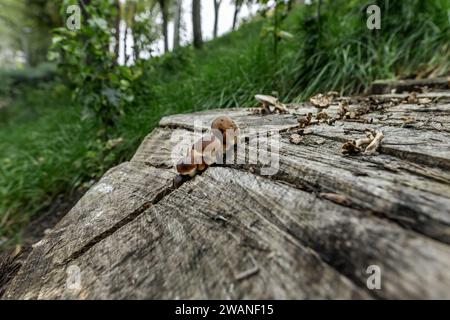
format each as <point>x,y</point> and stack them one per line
<point>342,54</point>
<point>90,68</point>
<point>25,25</point>
<point>47,151</point>
<point>12,81</point>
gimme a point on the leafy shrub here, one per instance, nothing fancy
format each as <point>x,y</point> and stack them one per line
<point>90,68</point>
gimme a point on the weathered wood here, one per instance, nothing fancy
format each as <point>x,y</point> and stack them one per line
<point>386,86</point>
<point>411,194</point>
<point>184,247</point>
<point>163,147</point>
<point>198,242</point>
<point>432,118</point>
<point>311,230</point>
<point>423,147</point>
<point>398,195</point>
<point>122,194</point>
<point>243,117</point>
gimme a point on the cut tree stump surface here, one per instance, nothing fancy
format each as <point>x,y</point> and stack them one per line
<point>309,231</point>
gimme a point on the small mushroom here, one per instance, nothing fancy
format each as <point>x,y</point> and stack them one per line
<point>187,166</point>
<point>365,141</point>
<point>322,116</point>
<point>207,148</point>
<point>303,122</point>
<point>350,148</point>
<point>333,94</point>
<point>375,144</point>
<point>269,101</point>
<point>343,108</point>
<point>226,130</point>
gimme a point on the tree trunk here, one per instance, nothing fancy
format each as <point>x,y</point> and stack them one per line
<point>217,4</point>
<point>125,47</point>
<point>177,26</point>
<point>196,23</point>
<point>164,12</point>
<point>83,4</point>
<point>237,8</point>
<point>134,49</point>
<point>117,31</point>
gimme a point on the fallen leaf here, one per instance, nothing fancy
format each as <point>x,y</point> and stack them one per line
<point>321,101</point>
<point>320,141</point>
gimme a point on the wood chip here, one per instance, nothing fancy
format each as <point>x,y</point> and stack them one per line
<point>295,138</point>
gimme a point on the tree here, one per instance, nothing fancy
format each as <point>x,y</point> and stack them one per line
<point>25,27</point>
<point>117,30</point>
<point>164,7</point>
<point>217,4</point>
<point>90,68</point>
<point>237,8</point>
<point>177,23</point>
<point>197,24</point>
<point>140,25</point>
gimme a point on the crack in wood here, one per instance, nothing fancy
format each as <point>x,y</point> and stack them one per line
<point>123,222</point>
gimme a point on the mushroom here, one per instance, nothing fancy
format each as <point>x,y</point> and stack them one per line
<point>187,166</point>
<point>365,141</point>
<point>269,101</point>
<point>375,144</point>
<point>207,148</point>
<point>303,122</point>
<point>225,129</point>
<point>343,108</point>
<point>350,148</point>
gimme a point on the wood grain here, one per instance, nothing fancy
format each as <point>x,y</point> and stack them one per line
<point>308,231</point>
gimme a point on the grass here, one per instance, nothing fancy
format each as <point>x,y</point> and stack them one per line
<point>47,150</point>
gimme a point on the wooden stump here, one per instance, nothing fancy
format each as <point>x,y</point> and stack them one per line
<point>310,230</point>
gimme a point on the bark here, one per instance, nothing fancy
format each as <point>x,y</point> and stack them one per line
<point>134,49</point>
<point>196,24</point>
<point>177,24</point>
<point>117,31</point>
<point>83,4</point>
<point>237,9</point>
<point>165,16</point>
<point>217,4</point>
<point>125,45</point>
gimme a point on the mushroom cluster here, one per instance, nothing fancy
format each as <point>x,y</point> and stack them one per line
<point>208,149</point>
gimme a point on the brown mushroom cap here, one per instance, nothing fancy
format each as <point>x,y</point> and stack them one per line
<point>207,148</point>
<point>201,144</point>
<point>269,101</point>
<point>186,166</point>
<point>222,124</point>
<point>266,99</point>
